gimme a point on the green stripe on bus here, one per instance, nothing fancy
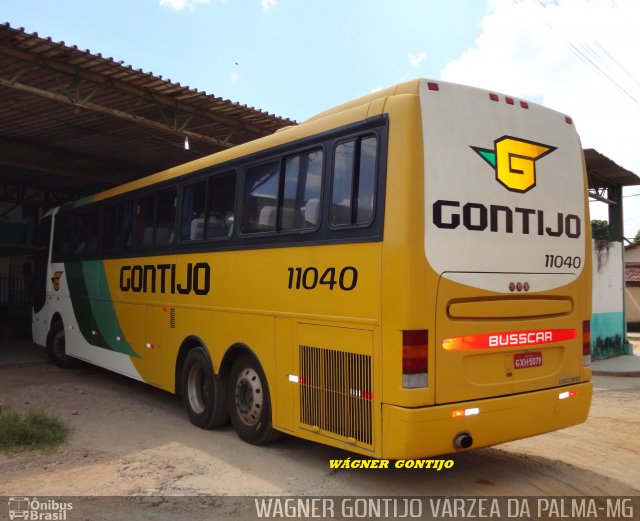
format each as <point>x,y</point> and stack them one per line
<point>83,202</point>
<point>93,308</point>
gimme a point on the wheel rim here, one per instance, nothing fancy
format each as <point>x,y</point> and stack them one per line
<point>198,389</point>
<point>58,345</point>
<point>249,396</point>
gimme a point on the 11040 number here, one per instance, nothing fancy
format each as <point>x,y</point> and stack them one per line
<point>558,261</point>
<point>310,278</point>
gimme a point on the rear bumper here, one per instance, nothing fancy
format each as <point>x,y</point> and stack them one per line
<point>429,431</point>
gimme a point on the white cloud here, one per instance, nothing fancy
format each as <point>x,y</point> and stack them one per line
<point>526,51</point>
<point>234,76</point>
<point>576,56</point>
<point>268,4</point>
<point>181,5</point>
<point>417,58</point>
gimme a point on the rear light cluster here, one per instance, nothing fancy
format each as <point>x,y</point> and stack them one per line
<point>414,358</point>
<point>586,342</point>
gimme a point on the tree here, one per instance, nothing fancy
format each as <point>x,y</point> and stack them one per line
<point>636,239</point>
<point>600,230</point>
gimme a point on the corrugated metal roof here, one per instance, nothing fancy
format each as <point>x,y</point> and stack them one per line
<point>603,171</point>
<point>78,122</point>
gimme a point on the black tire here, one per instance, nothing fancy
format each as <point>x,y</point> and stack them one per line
<point>202,391</point>
<point>56,348</point>
<point>249,402</point>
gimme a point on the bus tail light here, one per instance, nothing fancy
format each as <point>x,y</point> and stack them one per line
<point>586,342</point>
<point>414,358</point>
<point>567,394</point>
<point>461,413</point>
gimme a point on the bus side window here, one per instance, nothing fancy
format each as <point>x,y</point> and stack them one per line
<point>70,227</point>
<point>125,225</point>
<point>87,228</point>
<point>116,226</point>
<point>144,221</point>
<point>42,256</point>
<point>261,198</point>
<point>109,223</point>
<point>165,216</point>
<point>222,199</point>
<point>354,182</point>
<point>61,236</point>
<point>367,180</point>
<point>302,185</point>
<point>193,208</point>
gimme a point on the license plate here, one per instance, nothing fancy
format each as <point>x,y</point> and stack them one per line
<point>525,360</point>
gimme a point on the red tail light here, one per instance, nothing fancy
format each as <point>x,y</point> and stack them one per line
<point>586,342</point>
<point>414,358</point>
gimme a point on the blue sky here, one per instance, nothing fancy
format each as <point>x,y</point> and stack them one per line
<point>295,58</point>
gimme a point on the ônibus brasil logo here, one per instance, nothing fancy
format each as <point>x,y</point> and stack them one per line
<point>514,161</point>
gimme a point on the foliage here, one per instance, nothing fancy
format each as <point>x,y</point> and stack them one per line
<point>608,347</point>
<point>600,230</point>
<point>35,429</point>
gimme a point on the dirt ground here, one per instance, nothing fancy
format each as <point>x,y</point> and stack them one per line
<point>131,439</point>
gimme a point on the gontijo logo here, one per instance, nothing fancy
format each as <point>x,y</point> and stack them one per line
<point>514,161</point>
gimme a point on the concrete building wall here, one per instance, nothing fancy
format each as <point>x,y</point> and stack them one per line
<point>607,319</point>
<point>632,306</point>
<point>632,253</point>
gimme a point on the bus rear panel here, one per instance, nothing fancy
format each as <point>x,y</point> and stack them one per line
<point>506,277</point>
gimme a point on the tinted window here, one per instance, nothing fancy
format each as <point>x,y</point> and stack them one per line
<point>165,216</point>
<point>193,209</point>
<point>116,226</point>
<point>367,180</point>
<point>144,221</point>
<point>222,201</point>
<point>302,184</point>
<point>77,234</point>
<point>354,180</point>
<point>40,282</point>
<point>87,230</point>
<point>343,164</point>
<point>261,198</point>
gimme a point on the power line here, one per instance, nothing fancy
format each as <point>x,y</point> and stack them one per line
<point>590,56</point>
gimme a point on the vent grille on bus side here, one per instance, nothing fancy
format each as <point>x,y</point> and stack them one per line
<point>336,393</point>
<point>172,318</point>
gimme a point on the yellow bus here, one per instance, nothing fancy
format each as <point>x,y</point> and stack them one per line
<point>405,275</point>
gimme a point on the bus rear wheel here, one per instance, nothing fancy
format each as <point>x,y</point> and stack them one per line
<point>202,391</point>
<point>249,402</point>
<point>56,350</point>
